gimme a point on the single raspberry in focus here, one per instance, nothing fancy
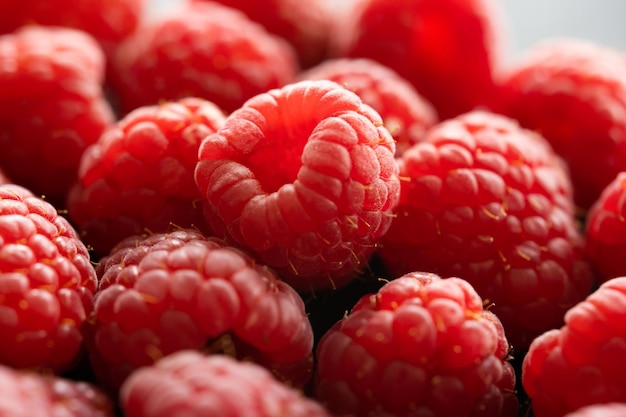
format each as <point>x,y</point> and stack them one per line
<point>573,92</point>
<point>182,290</point>
<point>46,284</point>
<point>52,106</point>
<point>421,345</point>
<point>304,178</point>
<point>449,50</point>
<point>205,50</point>
<point>614,409</point>
<point>581,363</point>
<point>190,383</point>
<point>405,113</point>
<point>488,201</point>
<point>139,175</point>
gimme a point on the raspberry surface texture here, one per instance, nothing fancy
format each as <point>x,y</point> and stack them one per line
<point>52,106</point>
<point>190,383</point>
<point>490,202</point>
<point>405,113</point>
<point>203,49</point>
<point>581,363</point>
<point>46,284</point>
<point>450,50</point>
<point>573,91</point>
<point>421,345</point>
<point>616,409</point>
<point>182,290</point>
<point>304,178</point>
<point>139,176</point>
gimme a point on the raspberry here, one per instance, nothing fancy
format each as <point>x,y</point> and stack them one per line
<point>205,50</point>
<point>46,284</point>
<point>574,92</point>
<point>448,49</point>
<point>27,394</point>
<point>405,113</point>
<point>4,179</point>
<point>490,202</point>
<point>421,345</point>
<point>190,383</point>
<point>140,174</point>
<point>51,107</point>
<point>616,409</point>
<point>304,178</point>
<point>182,290</point>
<point>582,362</point>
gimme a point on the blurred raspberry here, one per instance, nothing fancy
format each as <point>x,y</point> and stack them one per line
<point>4,179</point>
<point>581,363</point>
<point>46,284</point>
<point>205,50</point>
<point>420,346</point>
<point>573,92</point>
<point>616,409</point>
<point>139,176</point>
<point>51,106</point>
<point>305,179</point>
<point>182,290</point>
<point>405,113</point>
<point>190,383</point>
<point>490,202</point>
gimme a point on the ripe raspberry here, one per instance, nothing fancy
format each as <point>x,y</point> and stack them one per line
<point>51,107</point>
<point>182,290</point>
<point>405,113</point>
<point>46,284</point>
<point>448,49</point>
<point>616,409</point>
<point>582,362</point>
<point>420,346</point>
<point>573,92</point>
<point>26,394</point>
<point>140,174</point>
<point>4,179</point>
<point>205,50</point>
<point>303,178</point>
<point>190,383</point>
<point>490,202</point>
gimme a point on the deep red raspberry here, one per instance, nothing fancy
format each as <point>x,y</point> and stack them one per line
<point>182,290</point>
<point>488,201</point>
<point>190,383</point>
<point>4,179</point>
<point>405,113</point>
<point>448,49</point>
<point>206,50</point>
<point>26,394</point>
<point>46,284</point>
<point>615,409</point>
<point>582,362</point>
<point>139,176</point>
<point>574,92</point>
<point>51,106</point>
<point>304,178</point>
<point>421,345</point>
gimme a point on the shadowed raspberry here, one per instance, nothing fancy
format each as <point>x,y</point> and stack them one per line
<point>189,383</point>
<point>582,362</point>
<point>46,284</point>
<point>4,179</point>
<point>303,177</point>
<point>182,290</point>
<point>421,345</point>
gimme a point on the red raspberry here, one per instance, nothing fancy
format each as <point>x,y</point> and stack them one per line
<point>190,383</point>
<point>51,106</point>
<point>420,346</point>
<point>616,409</point>
<point>582,363</point>
<point>304,178</point>
<point>46,284</point>
<point>4,179</point>
<point>574,93</point>
<point>205,50</point>
<point>448,49</point>
<point>139,176</point>
<point>26,394</point>
<point>490,202</point>
<point>405,113</point>
<point>182,290</point>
